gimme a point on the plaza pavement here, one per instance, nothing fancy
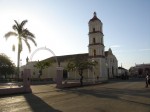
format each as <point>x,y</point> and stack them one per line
<point>114,96</point>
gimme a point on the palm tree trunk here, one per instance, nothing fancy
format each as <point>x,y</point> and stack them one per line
<point>18,59</point>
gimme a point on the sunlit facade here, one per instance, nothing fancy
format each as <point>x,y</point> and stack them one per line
<point>107,66</point>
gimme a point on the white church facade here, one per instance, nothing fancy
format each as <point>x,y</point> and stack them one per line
<point>107,66</point>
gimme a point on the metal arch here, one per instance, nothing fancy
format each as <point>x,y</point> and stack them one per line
<point>43,48</point>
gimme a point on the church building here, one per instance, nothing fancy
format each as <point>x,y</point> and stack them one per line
<point>106,68</point>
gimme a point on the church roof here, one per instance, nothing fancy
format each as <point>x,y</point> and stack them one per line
<point>121,68</point>
<point>67,57</point>
<point>94,18</point>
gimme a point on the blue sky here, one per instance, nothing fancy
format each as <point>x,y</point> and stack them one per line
<point>62,26</point>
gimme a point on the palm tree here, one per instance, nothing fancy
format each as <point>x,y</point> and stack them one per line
<point>23,34</point>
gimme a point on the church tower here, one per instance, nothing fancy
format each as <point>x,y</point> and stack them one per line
<point>96,45</point>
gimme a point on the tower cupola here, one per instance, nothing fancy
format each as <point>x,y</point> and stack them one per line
<point>94,18</point>
<point>96,43</point>
<point>95,24</point>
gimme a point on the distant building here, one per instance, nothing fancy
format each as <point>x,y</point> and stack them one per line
<point>123,73</point>
<point>107,66</point>
<point>140,70</point>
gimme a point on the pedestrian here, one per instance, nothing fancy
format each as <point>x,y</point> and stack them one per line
<point>81,80</point>
<point>147,79</point>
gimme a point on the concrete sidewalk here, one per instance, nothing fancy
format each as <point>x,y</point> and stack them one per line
<point>115,96</point>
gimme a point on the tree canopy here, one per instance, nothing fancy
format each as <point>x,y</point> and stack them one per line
<point>42,65</point>
<point>80,64</point>
<point>7,67</point>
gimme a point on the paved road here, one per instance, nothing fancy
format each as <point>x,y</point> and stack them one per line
<point>115,96</point>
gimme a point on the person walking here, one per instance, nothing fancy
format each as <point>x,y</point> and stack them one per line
<point>147,79</point>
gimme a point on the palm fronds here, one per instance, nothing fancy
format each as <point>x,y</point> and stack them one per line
<point>10,33</point>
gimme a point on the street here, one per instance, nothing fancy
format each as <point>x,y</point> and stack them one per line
<point>114,96</point>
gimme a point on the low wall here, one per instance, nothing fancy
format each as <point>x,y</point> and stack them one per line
<point>26,85</point>
<point>77,84</point>
<point>9,91</point>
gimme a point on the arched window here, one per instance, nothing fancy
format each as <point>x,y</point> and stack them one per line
<point>94,41</point>
<point>94,52</point>
<point>93,29</point>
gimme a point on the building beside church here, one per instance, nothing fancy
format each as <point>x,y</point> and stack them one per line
<point>107,66</point>
<point>140,70</point>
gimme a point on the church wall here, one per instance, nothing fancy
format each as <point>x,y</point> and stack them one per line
<point>97,48</point>
<point>112,65</point>
<point>99,71</point>
<point>30,65</point>
<point>103,69</point>
<point>51,72</point>
<point>95,25</point>
<point>97,36</point>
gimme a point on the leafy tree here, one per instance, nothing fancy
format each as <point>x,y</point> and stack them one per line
<point>80,64</point>
<point>7,67</point>
<point>42,65</point>
<point>23,34</point>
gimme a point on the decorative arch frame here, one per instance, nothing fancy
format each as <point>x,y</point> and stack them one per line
<point>44,48</point>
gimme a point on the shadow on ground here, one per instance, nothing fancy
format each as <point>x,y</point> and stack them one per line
<point>31,103</point>
<point>38,105</point>
<point>124,94</point>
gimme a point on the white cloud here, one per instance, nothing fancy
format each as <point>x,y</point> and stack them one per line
<point>144,49</point>
<point>115,46</point>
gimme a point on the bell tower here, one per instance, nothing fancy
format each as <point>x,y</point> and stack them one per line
<point>96,46</point>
